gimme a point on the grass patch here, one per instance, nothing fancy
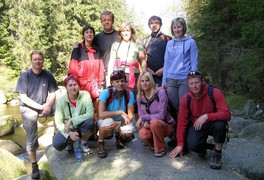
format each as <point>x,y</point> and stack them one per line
<point>236,101</point>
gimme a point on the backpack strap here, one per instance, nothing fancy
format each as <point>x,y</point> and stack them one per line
<point>150,101</point>
<point>111,95</point>
<point>210,93</point>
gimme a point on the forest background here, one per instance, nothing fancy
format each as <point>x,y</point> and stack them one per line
<point>229,34</point>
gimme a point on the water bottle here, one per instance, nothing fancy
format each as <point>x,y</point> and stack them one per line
<point>78,151</point>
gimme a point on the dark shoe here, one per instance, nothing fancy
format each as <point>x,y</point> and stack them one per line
<point>69,148</point>
<point>216,160</point>
<point>119,144</point>
<point>160,154</point>
<point>35,171</point>
<point>109,137</point>
<point>101,153</point>
<point>93,138</point>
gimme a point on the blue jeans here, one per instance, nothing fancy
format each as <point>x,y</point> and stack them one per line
<point>176,89</point>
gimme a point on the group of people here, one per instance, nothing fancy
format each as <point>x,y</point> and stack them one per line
<point>113,80</point>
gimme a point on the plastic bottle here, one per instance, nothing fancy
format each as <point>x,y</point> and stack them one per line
<point>78,151</point>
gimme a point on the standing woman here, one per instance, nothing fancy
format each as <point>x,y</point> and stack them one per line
<point>181,57</point>
<point>126,55</point>
<point>87,65</point>
<point>154,123</point>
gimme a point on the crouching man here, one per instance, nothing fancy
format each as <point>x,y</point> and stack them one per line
<point>203,111</point>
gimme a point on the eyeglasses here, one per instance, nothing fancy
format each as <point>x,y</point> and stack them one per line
<point>194,73</point>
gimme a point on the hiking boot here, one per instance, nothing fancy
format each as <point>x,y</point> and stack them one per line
<point>35,171</point>
<point>93,138</point>
<point>161,153</point>
<point>127,139</point>
<point>85,148</point>
<point>216,160</point>
<point>101,153</point>
<point>119,144</point>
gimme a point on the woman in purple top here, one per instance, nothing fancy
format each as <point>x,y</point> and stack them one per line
<point>154,122</point>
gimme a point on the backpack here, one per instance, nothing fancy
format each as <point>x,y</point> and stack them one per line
<point>111,94</point>
<point>210,93</point>
<point>149,102</point>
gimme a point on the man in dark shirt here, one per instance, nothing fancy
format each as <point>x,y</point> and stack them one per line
<point>155,46</point>
<point>37,96</point>
<point>106,38</point>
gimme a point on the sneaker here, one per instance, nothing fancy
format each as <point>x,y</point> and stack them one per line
<point>69,148</point>
<point>35,171</point>
<point>216,160</point>
<point>161,153</point>
<point>119,144</point>
<point>101,153</point>
<point>85,148</point>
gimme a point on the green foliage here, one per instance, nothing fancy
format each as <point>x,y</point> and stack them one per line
<point>230,39</point>
<point>52,26</point>
<point>236,101</point>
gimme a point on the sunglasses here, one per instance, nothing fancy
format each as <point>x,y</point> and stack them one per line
<point>117,72</point>
<point>193,73</point>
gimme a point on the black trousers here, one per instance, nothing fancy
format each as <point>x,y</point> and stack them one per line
<point>197,140</point>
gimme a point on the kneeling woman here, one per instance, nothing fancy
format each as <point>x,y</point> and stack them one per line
<point>74,116</point>
<point>154,122</point>
<point>116,112</point>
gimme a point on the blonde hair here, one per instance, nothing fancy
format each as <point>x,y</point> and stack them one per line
<point>148,76</point>
<point>124,26</point>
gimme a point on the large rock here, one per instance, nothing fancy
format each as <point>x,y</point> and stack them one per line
<point>10,166</point>
<point>135,161</point>
<point>237,124</point>
<point>249,108</point>
<point>254,132</point>
<point>11,147</point>
<point>7,125</point>
<point>245,157</point>
<point>3,99</point>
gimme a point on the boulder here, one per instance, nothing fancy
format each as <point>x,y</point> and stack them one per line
<point>44,171</point>
<point>3,99</point>
<point>253,132</point>
<point>11,147</point>
<point>249,108</point>
<point>10,166</point>
<point>7,124</point>
<point>237,124</point>
<point>245,157</point>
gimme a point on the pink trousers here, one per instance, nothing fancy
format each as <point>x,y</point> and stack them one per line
<point>155,134</point>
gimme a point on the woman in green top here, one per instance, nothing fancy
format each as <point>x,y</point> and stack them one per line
<point>126,55</point>
<point>73,116</point>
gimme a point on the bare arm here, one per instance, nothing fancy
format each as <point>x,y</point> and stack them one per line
<point>142,61</point>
